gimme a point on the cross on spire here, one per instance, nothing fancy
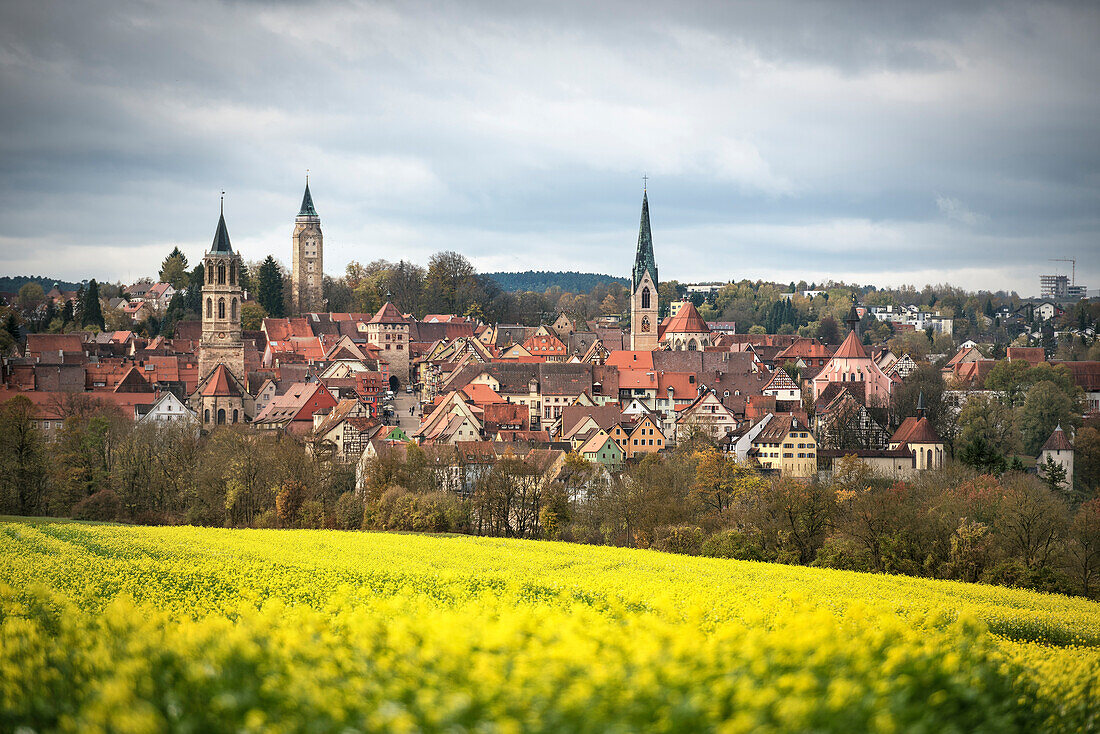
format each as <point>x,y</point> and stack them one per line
<point>645,180</point>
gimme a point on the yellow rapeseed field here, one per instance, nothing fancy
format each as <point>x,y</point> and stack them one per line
<point>133,629</point>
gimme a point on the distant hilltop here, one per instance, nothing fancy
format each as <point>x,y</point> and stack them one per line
<point>540,280</point>
<point>12,284</point>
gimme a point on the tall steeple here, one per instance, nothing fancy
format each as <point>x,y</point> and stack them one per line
<point>643,258</point>
<point>221,344</point>
<point>643,297</point>
<point>221,234</point>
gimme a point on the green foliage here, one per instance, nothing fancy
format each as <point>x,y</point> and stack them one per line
<point>103,506</point>
<point>91,313</point>
<point>541,280</point>
<point>174,269</point>
<point>1046,407</point>
<point>982,456</point>
<point>269,288</point>
<point>741,546</point>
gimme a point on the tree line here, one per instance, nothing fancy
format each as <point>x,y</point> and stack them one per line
<point>998,527</point>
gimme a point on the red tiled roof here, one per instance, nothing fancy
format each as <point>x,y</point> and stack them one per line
<point>1058,441</point>
<point>219,385</point>
<point>388,314</point>
<point>850,348</point>
<point>915,430</point>
<point>687,321</point>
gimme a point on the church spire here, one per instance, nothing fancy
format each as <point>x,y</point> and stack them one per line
<point>643,259</point>
<point>307,209</point>
<point>221,235</point>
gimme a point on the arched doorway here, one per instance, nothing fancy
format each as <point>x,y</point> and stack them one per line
<point>394,383</point>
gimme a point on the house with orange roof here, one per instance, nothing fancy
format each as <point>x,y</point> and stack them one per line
<point>601,449</point>
<point>546,346</point>
<point>708,414</point>
<point>293,411</point>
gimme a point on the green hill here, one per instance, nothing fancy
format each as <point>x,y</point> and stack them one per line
<point>12,284</point>
<point>106,627</point>
<point>540,280</point>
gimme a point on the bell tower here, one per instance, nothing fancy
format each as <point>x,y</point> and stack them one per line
<point>643,297</point>
<point>221,307</point>
<point>308,258</point>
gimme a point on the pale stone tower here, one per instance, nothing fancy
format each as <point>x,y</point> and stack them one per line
<point>1060,450</point>
<point>221,342</point>
<point>306,270</point>
<point>389,331</point>
<point>643,298</point>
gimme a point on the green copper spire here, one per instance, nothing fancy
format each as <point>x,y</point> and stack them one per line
<point>307,209</point>
<point>643,260</point>
<point>221,236</point>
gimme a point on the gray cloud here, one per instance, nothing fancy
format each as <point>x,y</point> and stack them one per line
<point>903,141</point>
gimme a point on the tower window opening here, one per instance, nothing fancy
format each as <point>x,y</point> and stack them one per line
<point>645,298</point>
<point>209,307</point>
<point>221,308</point>
<point>221,275</point>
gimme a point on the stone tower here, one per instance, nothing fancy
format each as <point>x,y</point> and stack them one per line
<point>306,269</point>
<point>221,308</point>
<point>643,297</point>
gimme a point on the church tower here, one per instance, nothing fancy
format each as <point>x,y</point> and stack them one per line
<point>643,297</point>
<point>306,270</point>
<point>221,308</point>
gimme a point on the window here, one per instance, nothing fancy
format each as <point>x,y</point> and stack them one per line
<point>233,310</point>
<point>221,274</point>
<point>209,307</point>
<point>221,308</point>
<point>645,297</point>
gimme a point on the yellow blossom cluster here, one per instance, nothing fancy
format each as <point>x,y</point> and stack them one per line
<point>110,628</point>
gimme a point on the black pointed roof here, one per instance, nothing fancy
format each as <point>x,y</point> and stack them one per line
<point>307,209</point>
<point>643,259</point>
<point>221,237</point>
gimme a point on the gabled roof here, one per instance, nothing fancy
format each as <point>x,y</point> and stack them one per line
<point>780,381</point>
<point>915,430</point>
<point>220,385</point>
<point>850,348</point>
<point>388,314</point>
<point>687,321</point>
<point>1057,441</point>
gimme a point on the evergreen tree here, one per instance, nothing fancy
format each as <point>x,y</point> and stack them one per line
<point>174,269</point>
<point>67,316</point>
<point>192,304</point>
<point>269,288</point>
<point>11,325</point>
<point>91,313</point>
<point>982,456</point>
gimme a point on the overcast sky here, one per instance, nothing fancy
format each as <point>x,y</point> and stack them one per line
<point>872,142</point>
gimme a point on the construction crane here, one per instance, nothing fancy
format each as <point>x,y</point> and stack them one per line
<point>1073,265</point>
